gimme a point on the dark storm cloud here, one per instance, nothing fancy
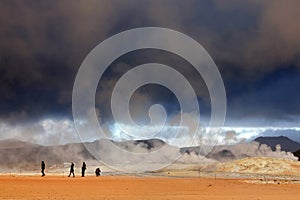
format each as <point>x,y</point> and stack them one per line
<point>271,42</point>
<point>42,44</point>
<point>273,97</point>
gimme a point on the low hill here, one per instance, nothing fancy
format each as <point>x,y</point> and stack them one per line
<point>261,165</point>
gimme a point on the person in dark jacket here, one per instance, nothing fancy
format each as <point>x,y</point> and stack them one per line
<point>72,170</point>
<point>97,172</point>
<point>83,168</point>
<point>43,166</point>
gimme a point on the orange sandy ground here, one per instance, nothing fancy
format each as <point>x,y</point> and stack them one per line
<point>123,187</point>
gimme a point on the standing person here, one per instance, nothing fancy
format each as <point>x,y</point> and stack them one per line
<point>72,170</point>
<point>43,166</point>
<point>83,168</point>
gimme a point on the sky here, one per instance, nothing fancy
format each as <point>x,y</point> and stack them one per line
<point>255,45</point>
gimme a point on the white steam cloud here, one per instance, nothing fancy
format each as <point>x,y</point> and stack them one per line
<point>44,132</point>
<point>51,131</point>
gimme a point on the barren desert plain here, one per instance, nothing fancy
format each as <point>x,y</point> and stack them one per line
<point>247,182</point>
<point>128,187</point>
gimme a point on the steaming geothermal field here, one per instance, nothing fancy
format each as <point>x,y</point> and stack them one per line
<point>241,171</point>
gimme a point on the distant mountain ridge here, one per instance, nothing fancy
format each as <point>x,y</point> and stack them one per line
<point>14,153</point>
<point>286,143</point>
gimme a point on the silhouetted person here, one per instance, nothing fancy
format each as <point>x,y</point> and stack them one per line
<point>72,170</point>
<point>97,172</point>
<point>43,166</point>
<point>83,168</point>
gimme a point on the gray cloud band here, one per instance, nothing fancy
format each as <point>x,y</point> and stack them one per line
<point>92,69</point>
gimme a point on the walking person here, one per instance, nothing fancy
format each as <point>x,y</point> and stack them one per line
<point>43,166</point>
<point>83,168</point>
<point>72,170</point>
